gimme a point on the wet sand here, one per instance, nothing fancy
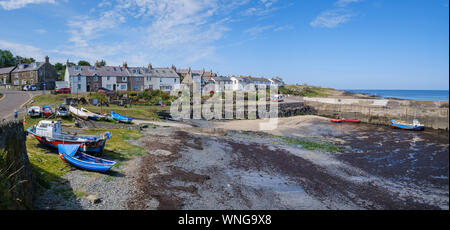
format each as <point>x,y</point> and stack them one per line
<point>233,165</point>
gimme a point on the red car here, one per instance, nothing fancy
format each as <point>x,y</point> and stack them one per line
<point>64,91</point>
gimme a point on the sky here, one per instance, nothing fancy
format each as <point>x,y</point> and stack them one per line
<point>344,44</point>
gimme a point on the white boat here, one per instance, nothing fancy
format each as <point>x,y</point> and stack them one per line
<point>78,113</point>
<point>93,116</point>
<point>34,111</point>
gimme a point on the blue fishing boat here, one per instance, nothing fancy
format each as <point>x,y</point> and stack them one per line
<point>70,154</point>
<point>121,118</point>
<point>416,126</point>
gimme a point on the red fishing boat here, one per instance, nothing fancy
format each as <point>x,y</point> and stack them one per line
<point>343,120</point>
<point>50,133</point>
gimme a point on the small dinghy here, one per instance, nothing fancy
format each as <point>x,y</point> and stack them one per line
<point>121,118</point>
<point>416,125</point>
<point>70,154</point>
<point>78,113</point>
<point>93,116</point>
<point>343,120</point>
<point>62,111</point>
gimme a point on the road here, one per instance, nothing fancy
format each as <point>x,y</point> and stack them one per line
<point>13,100</point>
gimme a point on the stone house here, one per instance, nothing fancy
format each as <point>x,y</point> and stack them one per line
<point>41,74</point>
<point>5,75</point>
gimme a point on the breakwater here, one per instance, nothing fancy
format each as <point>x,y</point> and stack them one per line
<point>433,115</point>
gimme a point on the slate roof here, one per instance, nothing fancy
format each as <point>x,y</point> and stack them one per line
<point>116,71</point>
<point>28,67</point>
<point>6,69</point>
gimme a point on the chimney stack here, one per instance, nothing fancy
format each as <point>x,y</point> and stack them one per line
<point>125,65</point>
<point>47,59</point>
<point>174,68</point>
<point>150,66</point>
<point>97,64</point>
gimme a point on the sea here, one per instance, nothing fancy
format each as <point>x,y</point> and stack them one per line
<point>418,95</point>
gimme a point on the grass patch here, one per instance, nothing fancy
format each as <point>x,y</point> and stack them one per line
<point>305,91</point>
<point>6,199</point>
<point>118,148</point>
<point>310,145</point>
<point>46,163</point>
<point>79,194</point>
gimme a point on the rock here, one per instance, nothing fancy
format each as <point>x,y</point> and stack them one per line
<point>94,199</point>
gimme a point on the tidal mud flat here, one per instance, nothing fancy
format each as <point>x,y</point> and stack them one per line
<point>233,165</point>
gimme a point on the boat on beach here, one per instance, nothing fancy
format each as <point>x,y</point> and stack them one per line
<point>62,111</point>
<point>121,118</point>
<point>416,125</point>
<point>78,113</point>
<point>343,120</point>
<point>72,155</point>
<point>50,133</point>
<point>93,116</point>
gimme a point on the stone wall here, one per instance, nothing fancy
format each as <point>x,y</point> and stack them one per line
<point>433,115</point>
<point>16,163</point>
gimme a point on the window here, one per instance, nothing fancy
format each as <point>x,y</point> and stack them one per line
<point>109,86</point>
<point>95,78</point>
<point>114,68</point>
<point>24,82</point>
<point>79,78</point>
<point>149,78</point>
<point>160,80</point>
<point>124,78</point>
<point>107,78</point>
<point>150,87</point>
<point>123,87</point>
<point>16,82</point>
<point>79,86</point>
<point>175,80</point>
<point>16,75</point>
<point>136,88</point>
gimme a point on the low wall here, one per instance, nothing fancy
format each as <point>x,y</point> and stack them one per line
<point>432,114</point>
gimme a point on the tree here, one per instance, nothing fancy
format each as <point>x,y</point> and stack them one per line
<point>59,66</point>
<point>24,60</point>
<point>7,59</point>
<point>84,63</point>
<point>102,63</point>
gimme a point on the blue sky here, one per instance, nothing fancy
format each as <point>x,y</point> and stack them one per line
<point>346,44</point>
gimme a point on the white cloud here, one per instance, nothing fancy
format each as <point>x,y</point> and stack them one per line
<point>334,17</point>
<point>261,8</point>
<point>40,31</point>
<point>344,3</point>
<point>258,30</point>
<point>23,50</point>
<point>17,4</point>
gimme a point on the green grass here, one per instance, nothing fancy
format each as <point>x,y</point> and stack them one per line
<point>310,145</point>
<point>305,91</point>
<point>6,200</point>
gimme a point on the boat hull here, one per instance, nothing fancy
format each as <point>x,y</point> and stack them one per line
<point>86,162</point>
<point>407,127</point>
<point>121,118</point>
<point>88,147</point>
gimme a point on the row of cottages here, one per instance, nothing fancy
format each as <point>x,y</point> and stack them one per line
<point>218,83</point>
<point>41,74</point>
<point>84,79</point>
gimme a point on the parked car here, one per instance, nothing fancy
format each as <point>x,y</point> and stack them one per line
<point>63,91</point>
<point>47,111</point>
<point>34,111</point>
<point>277,98</point>
<point>29,88</point>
